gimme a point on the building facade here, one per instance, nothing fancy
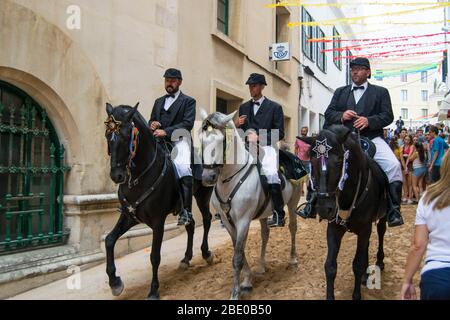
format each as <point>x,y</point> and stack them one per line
<point>62,61</point>
<point>412,94</point>
<point>323,73</point>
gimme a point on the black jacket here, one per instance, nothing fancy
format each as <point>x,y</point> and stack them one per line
<point>377,108</point>
<point>182,114</point>
<point>270,116</point>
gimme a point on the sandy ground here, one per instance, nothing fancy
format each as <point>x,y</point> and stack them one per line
<point>202,281</point>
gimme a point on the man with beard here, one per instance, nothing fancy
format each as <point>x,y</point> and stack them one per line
<point>171,112</point>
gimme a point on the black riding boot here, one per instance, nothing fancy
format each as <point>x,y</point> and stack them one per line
<point>277,219</point>
<point>185,216</point>
<point>309,211</point>
<point>395,193</point>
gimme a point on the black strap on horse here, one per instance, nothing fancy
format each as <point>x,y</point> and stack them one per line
<point>131,208</point>
<point>135,182</point>
<point>226,205</point>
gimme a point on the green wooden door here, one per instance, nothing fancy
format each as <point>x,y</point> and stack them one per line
<point>31,175</point>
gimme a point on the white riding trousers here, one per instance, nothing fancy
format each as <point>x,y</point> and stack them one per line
<point>269,164</point>
<point>181,156</point>
<point>387,160</point>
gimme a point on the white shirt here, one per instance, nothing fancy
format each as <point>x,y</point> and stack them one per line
<point>169,101</point>
<point>255,106</point>
<point>359,93</point>
<point>438,224</point>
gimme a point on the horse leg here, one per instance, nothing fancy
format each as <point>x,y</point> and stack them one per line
<point>190,228</point>
<point>123,225</point>
<point>381,230</point>
<point>202,197</point>
<point>334,238</point>
<point>155,258</point>
<point>265,232</point>
<point>246,286</point>
<point>239,257</point>
<point>293,228</point>
<point>361,260</point>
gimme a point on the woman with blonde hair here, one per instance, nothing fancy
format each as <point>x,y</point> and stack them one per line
<point>432,234</point>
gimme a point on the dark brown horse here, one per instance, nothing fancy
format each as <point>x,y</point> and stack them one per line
<point>148,190</point>
<point>351,195</point>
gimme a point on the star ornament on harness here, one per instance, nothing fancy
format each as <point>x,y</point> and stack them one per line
<point>112,125</point>
<point>322,148</point>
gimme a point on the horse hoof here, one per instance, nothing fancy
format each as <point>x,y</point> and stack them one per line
<point>117,289</point>
<point>210,259</point>
<point>261,271</point>
<point>153,298</point>
<point>293,264</point>
<point>183,266</point>
<point>245,291</point>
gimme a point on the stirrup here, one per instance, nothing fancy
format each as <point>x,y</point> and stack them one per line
<point>185,218</point>
<point>302,212</point>
<point>276,221</point>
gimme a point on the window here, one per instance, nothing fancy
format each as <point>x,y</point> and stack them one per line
<point>337,53</point>
<point>221,105</point>
<point>308,48</point>
<point>223,9</point>
<point>424,95</point>
<point>321,56</point>
<point>424,76</point>
<point>404,95</point>
<point>404,77</point>
<point>424,113</point>
<point>404,113</point>
<point>348,72</point>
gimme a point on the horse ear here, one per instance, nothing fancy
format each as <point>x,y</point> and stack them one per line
<point>132,112</point>
<point>308,140</point>
<point>109,109</point>
<point>203,114</point>
<point>229,118</point>
<point>342,133</point>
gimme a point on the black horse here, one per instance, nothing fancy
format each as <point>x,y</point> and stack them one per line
<point>351,195</point>
<point>148,190</point>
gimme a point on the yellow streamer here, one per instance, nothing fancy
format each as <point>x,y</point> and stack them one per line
<point>342,4</point>
<point>353,19</point>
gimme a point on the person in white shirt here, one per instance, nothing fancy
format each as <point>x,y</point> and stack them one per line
<point>432,234</point>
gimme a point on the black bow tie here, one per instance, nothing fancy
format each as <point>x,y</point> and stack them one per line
<point>358,88</point>
<point>256,103</point>
<point>170,96</point>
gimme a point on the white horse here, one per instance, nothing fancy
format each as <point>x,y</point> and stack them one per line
<point>239,196</point>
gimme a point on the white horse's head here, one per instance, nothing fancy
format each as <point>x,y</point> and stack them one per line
<point>213,140</point>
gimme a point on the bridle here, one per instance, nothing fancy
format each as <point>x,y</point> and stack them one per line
<point>209,127</point>
<point>113,127</point>
<point>323,193</point>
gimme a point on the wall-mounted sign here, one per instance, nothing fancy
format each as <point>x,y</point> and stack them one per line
<point>281,52</point>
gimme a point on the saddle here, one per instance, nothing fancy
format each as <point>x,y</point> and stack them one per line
<point>368,147</point>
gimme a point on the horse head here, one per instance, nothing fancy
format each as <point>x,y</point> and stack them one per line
<point>328,158</point>
<point>213,139</point>
<point>120,135</point>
